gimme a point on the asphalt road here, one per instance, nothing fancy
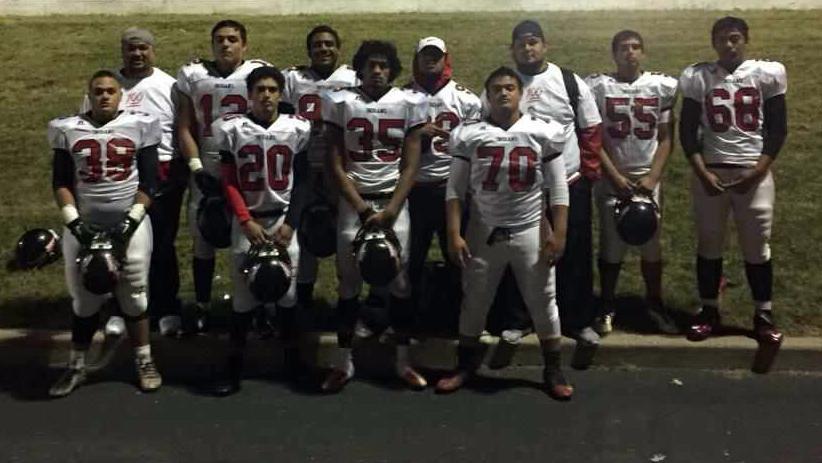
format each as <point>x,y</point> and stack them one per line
<point>616,416</point>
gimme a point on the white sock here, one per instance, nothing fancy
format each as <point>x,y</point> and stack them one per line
<point>763,306</point>
<point>143,353</point>
<point>344,362</point>
<point>77,359</point>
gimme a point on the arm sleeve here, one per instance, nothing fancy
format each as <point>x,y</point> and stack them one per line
<point>231,187</point>
<point>62,173</point>
<point>689,126</point>
<point>587,111</point>
<point>148,170</point>
<point>590,144</point>
<point>554,180</point>
<point>775,123</point>
<point>299,195</point>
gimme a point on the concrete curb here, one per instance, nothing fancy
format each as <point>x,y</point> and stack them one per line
<point>42,347</point>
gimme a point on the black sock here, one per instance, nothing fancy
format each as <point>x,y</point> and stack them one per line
<point>83,329</point>
<point>760,280</point>
<point>238,332</point>
<point>203,270</point>
<point>347,312</point>
<point>708,275</point>
<point>401,311</point>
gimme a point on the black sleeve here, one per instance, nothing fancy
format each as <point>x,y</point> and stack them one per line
<point>62,173</point>
<point>689,126</point>
<point>775,124</point>
<point>299,195</point>
<point>147,167</point>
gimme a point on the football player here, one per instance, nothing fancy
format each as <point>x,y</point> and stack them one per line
<point>507,162</point>
<point>733,125</point>
<point>636,107</point>
<point>148,89</point>
<point>374,145</point>
<point>104,176</point>
<point>209,90</point>
<point>553,94</point>
<point>303,87</point>
<point>449,105</point>
<point>264,170</point>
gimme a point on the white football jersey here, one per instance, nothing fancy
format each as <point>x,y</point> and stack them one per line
<point>374,133</point>
<point>152,95</point>
<point>105,161</point>
<point>303,90</point>
<point>630,113</point>
<point>213,97</point>
<point>452,105</point>
<point>508,169</point>
<point>264,157</point>
<point>545,97</point>
<point>732,107</point>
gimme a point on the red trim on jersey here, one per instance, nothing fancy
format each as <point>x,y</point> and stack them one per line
<point>433,86</point>
<point>231,187</point>
<point>590,145</point>
<point>163,170</point>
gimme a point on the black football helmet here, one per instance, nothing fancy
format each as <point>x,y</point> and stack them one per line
<point>214,221</point>
<point>318,229</point>
<point>37,248</point>
<point>637,219</point>
<point>268,272</point>
<point>377,253</point>
<point>99,266</point>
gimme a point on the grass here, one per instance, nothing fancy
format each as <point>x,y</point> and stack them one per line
<point>48,60</point>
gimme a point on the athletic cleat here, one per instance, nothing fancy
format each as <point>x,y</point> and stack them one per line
<point>170,325</point>
<point>604,324</point>
<point>452,382</point>
<point>149,379</point>
<point>514,336</point>
<point>335,381</point>
<point>587,344</point>
<point>704,324</point>
<point>230,379</point>
<point>662,319</point>
<point>70,380</point>
<point>769,339</point>
<point>556,385</point>
<point>115,326</point>
<point>412,378</point>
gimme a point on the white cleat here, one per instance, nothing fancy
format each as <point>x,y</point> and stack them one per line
<point>170,325</point>
<point>604,324</point>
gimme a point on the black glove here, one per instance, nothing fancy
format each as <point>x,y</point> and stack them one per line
<point>121,233</point>
<point>207,183</point>
<point>82,231</point>
<point>364,215</point>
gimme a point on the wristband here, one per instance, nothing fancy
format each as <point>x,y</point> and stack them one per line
<point>195,164</point>
<point>137,212</point>
<point>69,213</point>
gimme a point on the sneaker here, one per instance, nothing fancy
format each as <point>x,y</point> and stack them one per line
<point>170,325</point>
<point>587,344</point>
<point>604,324</point>
<point>514,336</point>
<point>769,339</point>
<point>704,324</point>
<point>71,378</point>
<point>115,326</point>
<point>336,380</point>
<point>149,379</point>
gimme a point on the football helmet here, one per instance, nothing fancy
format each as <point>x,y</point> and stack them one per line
<point>637,219</point>
<point>214,221</point>
<point>99,266</point>
<point>377,254</point>
<point>268,272</point>
<point>37,248</point>
<point>318,229</point>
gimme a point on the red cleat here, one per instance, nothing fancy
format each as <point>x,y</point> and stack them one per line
<point>704,324</point>
<point>769,339</point>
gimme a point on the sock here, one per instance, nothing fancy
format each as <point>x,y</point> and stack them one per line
<point>402,358</point>
<point>344,362</point>
<point>708,275</point>
<point>763,306</point>
<point>143,353</point>
<point>77,359</point>
<point>203,270</point>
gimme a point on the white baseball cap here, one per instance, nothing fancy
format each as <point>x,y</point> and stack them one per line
<point>436,42</point>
